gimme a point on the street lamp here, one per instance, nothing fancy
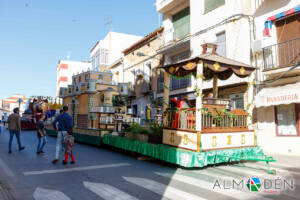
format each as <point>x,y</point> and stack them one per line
<point>20,101</point>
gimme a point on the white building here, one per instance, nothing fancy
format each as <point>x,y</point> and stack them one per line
<point>276,50</point>
<point>66,68</point>
<point>189,24</point>
<point>12,102</point>
<point>107,51</point>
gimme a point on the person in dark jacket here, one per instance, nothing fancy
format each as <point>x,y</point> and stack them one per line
<point>14,127</point>
<point>41,134</point>
<point>61,124</point>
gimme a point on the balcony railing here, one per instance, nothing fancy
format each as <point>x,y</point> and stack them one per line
<point>212,119</point>
<point>282,54</point>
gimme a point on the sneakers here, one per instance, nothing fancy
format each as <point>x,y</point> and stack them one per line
<point>54,161</point>
<point>64,162</point>
<point>9,152</point>
<point>21,148</point>
<point>42,151</point>
<point>73,162</point>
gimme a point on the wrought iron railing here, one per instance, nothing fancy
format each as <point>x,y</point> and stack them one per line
<point>282,54</point>
<point>213,119</point>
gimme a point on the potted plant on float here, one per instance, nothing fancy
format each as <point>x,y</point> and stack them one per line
<point>155,132</point>
<point>137,132</point>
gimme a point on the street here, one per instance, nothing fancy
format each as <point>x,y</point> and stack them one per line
<point>101,173</point>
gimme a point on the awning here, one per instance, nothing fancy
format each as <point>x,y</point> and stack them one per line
<point>268,23</point>
<point>212,64</point>
<point>278,95</point>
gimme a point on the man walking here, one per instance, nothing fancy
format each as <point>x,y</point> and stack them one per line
<point>14,127</point>
<point>61,124</point>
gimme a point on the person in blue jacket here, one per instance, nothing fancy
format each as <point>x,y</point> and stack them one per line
<point>61,124</point>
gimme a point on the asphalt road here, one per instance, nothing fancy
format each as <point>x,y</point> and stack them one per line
<point>102,173</point>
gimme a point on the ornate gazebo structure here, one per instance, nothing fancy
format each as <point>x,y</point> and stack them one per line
<point>211,125</point>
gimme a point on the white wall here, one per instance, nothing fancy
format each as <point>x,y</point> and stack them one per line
<point>74,67</point>
<point>115,43</point>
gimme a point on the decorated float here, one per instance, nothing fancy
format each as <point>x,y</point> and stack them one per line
<point>37,105</point>
<point>208,133</point>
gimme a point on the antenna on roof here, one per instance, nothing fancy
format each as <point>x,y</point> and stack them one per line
<point>108,21</point>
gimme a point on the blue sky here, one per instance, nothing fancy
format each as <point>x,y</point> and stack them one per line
<point>35,34</point>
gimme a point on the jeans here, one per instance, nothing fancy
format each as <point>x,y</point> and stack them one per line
<point>60,136</point>
<point>11,137</point>
<point>39,147</point>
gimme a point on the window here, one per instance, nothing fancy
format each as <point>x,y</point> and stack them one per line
<point>181,24</point>
<point>237,101</point>
<point>210,5</point>
<point>160,83</point>
<point>181,56</point>
<point>104,56</point>
<point>100,77</point>
<point>74,80</point>
<point>286,120</point>
<point>221,44</point>
<point>179,83</point>
<point>86,77</point>
<point>79,79</point>
<point>184,82</point>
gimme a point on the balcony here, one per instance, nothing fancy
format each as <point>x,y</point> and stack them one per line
<point>164,6</point>
<point>145,87</point>
<point>281,55</point>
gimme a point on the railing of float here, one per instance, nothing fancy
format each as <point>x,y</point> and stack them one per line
<point>212,119</point>
<point>183,118</point>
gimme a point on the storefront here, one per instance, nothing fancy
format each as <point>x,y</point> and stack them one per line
<point>278,119</point>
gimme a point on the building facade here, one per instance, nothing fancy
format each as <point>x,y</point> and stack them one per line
<point>65,69</point>
<point>140,72</point>
<point>12,102</point>
<point>189,24</point>
<point>107,51</point>
<point>276,51</point>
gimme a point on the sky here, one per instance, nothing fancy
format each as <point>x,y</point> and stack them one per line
<point>35,35</point>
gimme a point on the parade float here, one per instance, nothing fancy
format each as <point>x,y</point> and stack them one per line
<point>37,105</point>
<point>208,133</point>
<point>93,101</point>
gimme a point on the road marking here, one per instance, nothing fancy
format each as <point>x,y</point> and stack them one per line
<point>162,189</point>
<point>6,168</point>
<point>45,194</point>
<point>75,169</point>
<point>234,193</point>
<point>108,192</point>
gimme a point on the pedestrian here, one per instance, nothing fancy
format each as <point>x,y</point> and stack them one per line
<point>41,134</point>
<point>61,124</point>
<point>68,147</point>
<point>14,127</point>
<point>5,119</point>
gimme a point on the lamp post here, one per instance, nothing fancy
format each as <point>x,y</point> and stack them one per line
<point>20,101</point>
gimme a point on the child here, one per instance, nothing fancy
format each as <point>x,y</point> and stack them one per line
<point>68,147</point>
<point>41,133</point>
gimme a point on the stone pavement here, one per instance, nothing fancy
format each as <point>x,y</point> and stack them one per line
<point>112,174</point>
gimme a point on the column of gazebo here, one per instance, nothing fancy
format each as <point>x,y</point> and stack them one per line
<point>199,81</point>
<point>166,95</point>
